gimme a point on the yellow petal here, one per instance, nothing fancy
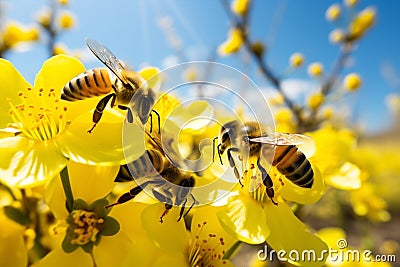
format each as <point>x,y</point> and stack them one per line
<point>128,216</point>
<point>302,195</point>
<point>11,82</point>
<point>77,108</point>
<point>244,218</point>
<point>55,198</point>
<point>59,258</point>
<point>288,233</point>
<point>329,157</point>
<point>208,214</point>
<point>100,180</point>
<point>112,251</point>
<point>28,163</point>
<point>151,75</point>
<point>163,233</point>
<point>143,253</point>
<point>13,252</point>
<point>104,146</point>
<point>348,177</point>
<point>331,236</point>
<point>57,71</point>
<point>195,116</point>
<point>171,260</point>
<point>205,223</point>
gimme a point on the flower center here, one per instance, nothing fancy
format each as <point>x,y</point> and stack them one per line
<point>85,226</point>
<point>206,252</point>
<point>40,116</point>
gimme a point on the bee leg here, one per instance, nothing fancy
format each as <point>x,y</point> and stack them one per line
<point>128,195</point>
<point>158,121</point>
<point>213,150</point>
<point>129,116</point>
<point>195,202</point>
<point>267,181</point>
<point>165,198</point>
<point>232,163</point>
<point>100,108</point>
<point>167,208</point>
<point>182,210</point>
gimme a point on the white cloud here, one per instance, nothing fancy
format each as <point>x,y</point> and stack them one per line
<point>170,61</point>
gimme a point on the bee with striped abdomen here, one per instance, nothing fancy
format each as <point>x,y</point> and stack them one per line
<point>128,90</point>
<point>251,139</point>
<point>169,184</point>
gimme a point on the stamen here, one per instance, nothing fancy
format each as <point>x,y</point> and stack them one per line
<point>40,116</point>
<point>205,252</point>
<point>85,226</point>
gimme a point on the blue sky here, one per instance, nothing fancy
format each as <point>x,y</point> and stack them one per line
<point>130,29</point>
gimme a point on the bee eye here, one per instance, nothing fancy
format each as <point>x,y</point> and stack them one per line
<point>246,139</point>
<point>224,137</point>
<point>144,107</point>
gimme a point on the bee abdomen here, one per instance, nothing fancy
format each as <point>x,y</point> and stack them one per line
<point>149,164</point>
<point>292,163</point>
<point>93,82</point>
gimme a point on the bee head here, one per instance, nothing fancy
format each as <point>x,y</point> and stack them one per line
<point>227,135</point>
<point>142,102</point>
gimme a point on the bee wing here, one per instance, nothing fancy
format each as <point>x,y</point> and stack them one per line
<point>108,58</point>
<point>283,139</point>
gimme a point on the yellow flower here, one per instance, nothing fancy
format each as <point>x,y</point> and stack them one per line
<point>171,245</point>
<point>190,74</point>
<point>240,7</point>
<point>44,18</point>
<point>315,69</point>
<point>88,232</point>
<point>366,202</point>
<point>332,156</point>
<point>333,12</point>
<point>251,216</point>
<point>63,2</point>
<point>296,60</point>
<point>258,48</point>
<point>233,43</point>
<point>352,81</point>
<point>15,33</point>
<point>59,49</point>
<point>13,251</point>
<point>350,3</point>
<point>45,136</point>
<point>336,36</point>
<point>362,22</point>
<point>284,121</point>
<point>66,20</point>
<point>315,100</point>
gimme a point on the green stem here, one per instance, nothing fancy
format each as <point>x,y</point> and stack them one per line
<point>67,189</point>
<point>93,259</point>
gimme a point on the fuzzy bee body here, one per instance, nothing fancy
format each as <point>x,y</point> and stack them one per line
<point>91,83</point>
<point>251,139</point>
<point>127,90</point>
<point>169,183</point>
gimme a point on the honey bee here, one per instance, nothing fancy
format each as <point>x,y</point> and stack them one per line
<point>128,90</point>
<point>169,183</point>
<point>251,139</point>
